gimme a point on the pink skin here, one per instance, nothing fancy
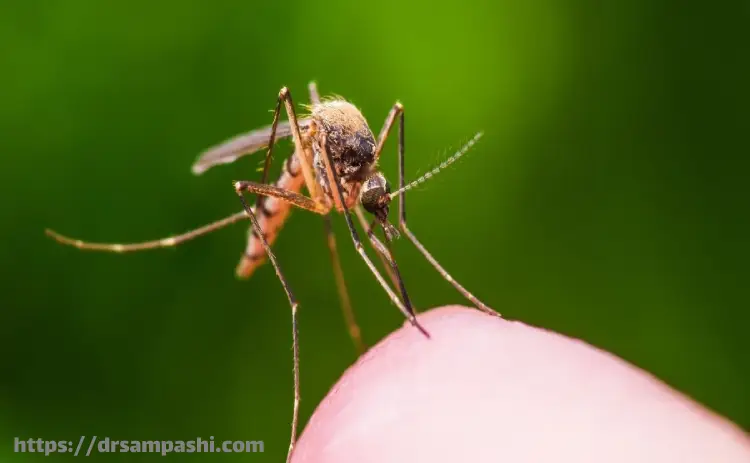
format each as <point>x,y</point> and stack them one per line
<point>490,390</point>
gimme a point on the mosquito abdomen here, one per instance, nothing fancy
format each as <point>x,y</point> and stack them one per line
<point>271,214</point>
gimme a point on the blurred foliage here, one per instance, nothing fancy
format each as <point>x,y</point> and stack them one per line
<point>608,199</point>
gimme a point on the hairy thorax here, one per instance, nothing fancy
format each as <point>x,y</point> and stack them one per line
<point>350,144</point>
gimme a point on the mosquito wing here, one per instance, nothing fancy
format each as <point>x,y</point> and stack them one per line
<point>240,145</point>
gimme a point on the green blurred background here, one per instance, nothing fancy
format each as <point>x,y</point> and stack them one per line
<point>608,199</point>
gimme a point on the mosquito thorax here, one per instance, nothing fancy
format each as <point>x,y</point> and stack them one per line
<point>349,140</point>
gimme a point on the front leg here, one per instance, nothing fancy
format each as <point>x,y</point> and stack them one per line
<point>404,307</point>
<point>402,214</point>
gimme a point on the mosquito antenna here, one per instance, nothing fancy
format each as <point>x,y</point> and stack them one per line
<point>155,244</point>
<point>437,169</point>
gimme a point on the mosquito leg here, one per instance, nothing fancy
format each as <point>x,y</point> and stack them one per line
<point>312,87</point>
<point>295,329</point>
<point>346,304</point>
<point>146,245</point>
<point>402,223</point>
<point>302,150</point>
<point>271,141</point>
<point>251,258</point>
<point>404,307</point>
<point>292,197</point>
<point>274,212</point>
<point>396,110</point>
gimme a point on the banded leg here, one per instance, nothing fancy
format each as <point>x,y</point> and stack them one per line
<point>406,307</point>
<point>346,305</point>
<point>146,245</point>
<point>295,328</point>
<point>402,214</point>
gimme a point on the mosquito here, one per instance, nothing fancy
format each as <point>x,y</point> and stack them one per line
<point>335,157</point>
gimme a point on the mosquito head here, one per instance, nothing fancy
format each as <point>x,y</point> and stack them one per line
<point>374,195</point>
<point>375,198</point>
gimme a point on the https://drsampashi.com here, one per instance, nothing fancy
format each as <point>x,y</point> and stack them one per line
<point>86,445</point>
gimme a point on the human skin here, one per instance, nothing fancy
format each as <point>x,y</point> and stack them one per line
<point>485,389</point>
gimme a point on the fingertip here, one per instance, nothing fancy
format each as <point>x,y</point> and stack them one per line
<point>483,388</point>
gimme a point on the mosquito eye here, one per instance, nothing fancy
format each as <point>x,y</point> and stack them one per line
<point>370,198</point>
